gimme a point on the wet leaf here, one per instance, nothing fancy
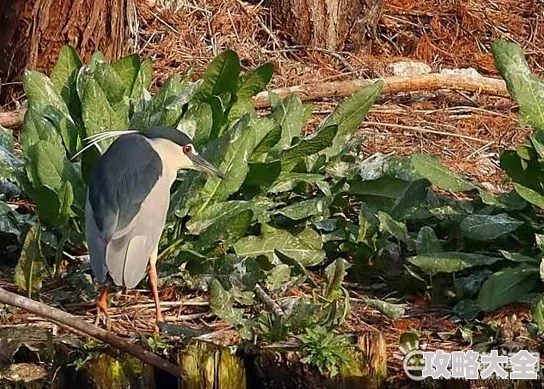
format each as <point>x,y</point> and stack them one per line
<point>301,248</point>
<point>306,208</point>
<point>450,262</point>
<point>221,303</point>
<point>31,267</point>
<point>507,285</point>
<point>488,227</point>
<point>427,242</point>
<point>432,169</point>
<point>524,87</point>
<point>530,195</point>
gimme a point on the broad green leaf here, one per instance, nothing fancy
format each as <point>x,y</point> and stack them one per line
<point>309,145</point>
<point>221,212</point>
<point>395,228</point>
<point>524,87</point>
<point>11,166</point>
<point>221,303</point>
<point>110,81</point>
<point>98,114</point>
<point>469,286</point>
<point>36,128</point>
<point>197,122</point>
<point>127,68</point>
<point>234,165</point>
<point>278,277</point>
<point>517,257</point>
<point>46,166</point>
<point>227,230</point>
<point>427,242</point>
<point>335,274</point>
<point>255,81</point>
<point>488,227</point>
<point>450,262</point>
<point>507,286</point>
<point>40,90</point>
<point>537,139</point>
<point>266,144</point>
<point>63,77</point>
<point>43,97</point>
<point>413,196</point>
<point>291,115</point>
<point>9,223</point>
<point>530,195</point>
<point>287,181</point>
<point>221,76</point>
<point>31,267</point>
<point>348,116</point>
<point>538,314</point>
<point>389,187</point>
<point>433,170</point>
<point>141,85</point>
<point>393,311</point>
<point>262,175</point>
<point>303,250</point>
<point>304,209</point>
<point>467,309</point>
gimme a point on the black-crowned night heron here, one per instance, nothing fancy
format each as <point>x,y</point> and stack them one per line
<point>127,201</point>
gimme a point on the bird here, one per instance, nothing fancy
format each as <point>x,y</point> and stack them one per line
<point>127,201</point>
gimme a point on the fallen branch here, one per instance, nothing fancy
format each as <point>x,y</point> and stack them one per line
<point>392,85</point>
<point>76,325</point>
<point>317,91</point>
<point>268,301</point>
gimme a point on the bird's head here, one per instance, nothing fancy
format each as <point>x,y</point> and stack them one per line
<point>177,149</point>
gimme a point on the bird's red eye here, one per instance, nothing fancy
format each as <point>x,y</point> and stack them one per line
<point>187,149</point>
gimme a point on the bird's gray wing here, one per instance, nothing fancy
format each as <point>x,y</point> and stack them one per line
<point>124,177</point>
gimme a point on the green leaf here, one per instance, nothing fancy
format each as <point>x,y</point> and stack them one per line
<point>221,303</point>
<point>277,277</point>
<point>517,257</point>
<point>395,228</point>
<point>31,267</point>
<point>197,122</point>
<point>98,114</point>
<point>507,286</point>
<point>262,175</point>
<point>127,68</point>
<point>109,80</point>
<point>524,87</point>
<point>335,274</point>
<point>63,77</point>
<point>530,195</point>
<point>538,314</point>
<point>291,116</point>
<point>393,311</point>
<point>450,262</point>
<point>488,227</point>
<point>309,145</point>
<point>388,187</point>
<point>413,196</point>
<point>255,81</point>
<point>287,181</point>
<point>221,76</point>
<point>348,116</point>
<point>301,248</point>
<point>234,165</point>
<point>427,242</point>
<point>142,84</point>
<point>306,208</point>
<point>432,169</point>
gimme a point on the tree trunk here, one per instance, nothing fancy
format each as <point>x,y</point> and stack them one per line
<point>108,26</point>
<point>328,24</point>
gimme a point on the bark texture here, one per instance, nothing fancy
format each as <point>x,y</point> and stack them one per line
<point>328,24</point>
<point>109,26</point>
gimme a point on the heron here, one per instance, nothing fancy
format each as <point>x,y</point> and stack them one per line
<point>127,201</point>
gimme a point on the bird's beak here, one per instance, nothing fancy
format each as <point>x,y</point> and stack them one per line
<point>204,166</point>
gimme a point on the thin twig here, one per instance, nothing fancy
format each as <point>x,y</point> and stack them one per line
<point>72,323</point>
<point>426,130</point>
<point>268,301</point>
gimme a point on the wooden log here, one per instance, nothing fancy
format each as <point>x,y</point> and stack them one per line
<point>339,89</point>
<point>328,24</point>
<point>280,368</point>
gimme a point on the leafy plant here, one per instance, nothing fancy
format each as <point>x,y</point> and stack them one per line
<point>324,350</point>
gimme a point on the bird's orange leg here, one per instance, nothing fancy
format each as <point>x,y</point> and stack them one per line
<point>102,305</point>
<point>153,283</point>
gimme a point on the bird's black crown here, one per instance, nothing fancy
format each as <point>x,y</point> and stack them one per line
<point>169,133</point>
